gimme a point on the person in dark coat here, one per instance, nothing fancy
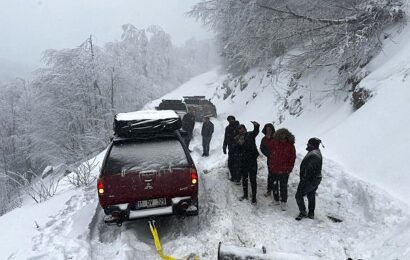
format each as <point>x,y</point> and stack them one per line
<point>281,162</point>
<point>229,142</point>
<point>249,155</point>
<point>310,178</point>
<point>268,130</point>
<point>206,132</point>
<point>188,124</point>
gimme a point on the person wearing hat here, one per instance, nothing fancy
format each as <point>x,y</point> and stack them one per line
<point>229,142</point>
<point>310,178</point>
<point>206,132</point>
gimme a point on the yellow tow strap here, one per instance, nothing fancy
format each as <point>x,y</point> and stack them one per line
<point>157,242</point>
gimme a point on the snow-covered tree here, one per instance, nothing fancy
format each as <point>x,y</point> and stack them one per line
<point>15,140</point>
<point>71,110</point>
<point>321,32</point>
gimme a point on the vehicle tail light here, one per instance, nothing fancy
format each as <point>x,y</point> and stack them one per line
<point>194,176</point>
<point>100,186</point>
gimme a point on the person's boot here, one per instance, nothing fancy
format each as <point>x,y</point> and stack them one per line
<point>276,202</point>
<point>253,201</point>
<point>276,197</point>
<point>243,198</point>
<point>311,214</point>
<point>238,180</point>
<point>301,216</point>
<point>283,206</point>
<point>268,193</point>
<point>245,190</point>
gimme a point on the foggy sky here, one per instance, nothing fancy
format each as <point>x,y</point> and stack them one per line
<point>29,27</point>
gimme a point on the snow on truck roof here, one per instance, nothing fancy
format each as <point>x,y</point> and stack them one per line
<point>147,114</point>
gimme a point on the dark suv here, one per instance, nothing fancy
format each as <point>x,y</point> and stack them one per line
<point>201,106</point>
<point>173,104</point>
<point>147,170</point>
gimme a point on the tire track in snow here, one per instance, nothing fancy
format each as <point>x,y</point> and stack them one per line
<point>130,241</point>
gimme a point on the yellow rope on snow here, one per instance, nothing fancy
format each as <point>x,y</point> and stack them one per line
<point>157,242</point>
<point>158,246</point>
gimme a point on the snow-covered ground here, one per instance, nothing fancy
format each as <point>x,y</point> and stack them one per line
<point>365,182</point>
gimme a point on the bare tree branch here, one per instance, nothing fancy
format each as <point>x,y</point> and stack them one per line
<point>347,20</point>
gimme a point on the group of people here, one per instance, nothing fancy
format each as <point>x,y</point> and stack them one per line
<point>279,148</point>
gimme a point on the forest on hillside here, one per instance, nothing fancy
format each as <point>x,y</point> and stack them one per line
<point>64,114</point>
<point>315,33</point>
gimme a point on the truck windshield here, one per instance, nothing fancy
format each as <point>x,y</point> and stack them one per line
<point>143,156</point>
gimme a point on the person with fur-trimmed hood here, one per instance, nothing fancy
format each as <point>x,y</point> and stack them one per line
<point>268,130</point>
<point>310,178</point>
<point>229,142</point>
<point>282,156</point>
<point>248,159</point>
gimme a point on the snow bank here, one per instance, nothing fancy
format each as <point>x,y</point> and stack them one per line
<point>374,142</point>
<point>21,225</point>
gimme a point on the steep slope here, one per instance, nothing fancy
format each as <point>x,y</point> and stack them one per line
<point>371,143</point>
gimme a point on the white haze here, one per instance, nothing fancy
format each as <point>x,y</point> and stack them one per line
<point>29,27</point>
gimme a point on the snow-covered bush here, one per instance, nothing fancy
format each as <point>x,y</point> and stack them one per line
<point>33,184</point>
<point>40,189</point>
<point>83,174</point>
<point>360,96</point>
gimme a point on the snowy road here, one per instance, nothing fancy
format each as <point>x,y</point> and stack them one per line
<point>373,224</point>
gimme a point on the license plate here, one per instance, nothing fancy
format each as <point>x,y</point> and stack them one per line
<point>152,203</point>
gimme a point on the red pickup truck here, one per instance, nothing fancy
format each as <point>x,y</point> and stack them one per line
<point>149,173</point>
